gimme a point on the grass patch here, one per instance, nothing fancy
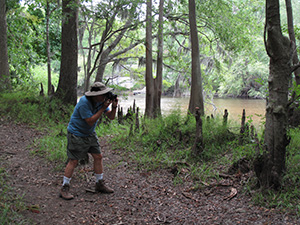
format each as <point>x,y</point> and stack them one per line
<point>37,111</point>
<point>10,203</point>
<point>162,142</point>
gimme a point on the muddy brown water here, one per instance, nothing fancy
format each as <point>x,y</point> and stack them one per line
<point>254,108</point>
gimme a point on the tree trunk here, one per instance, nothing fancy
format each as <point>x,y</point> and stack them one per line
<point>104,59</point>
<point>198,146</point>
<point>4,66</point>
<point>272,163</point>
<point>196,99</point>
<point>90,55</point>
<point>67,86</point>
<point>159,71</point>
<point>294,111</point>
<point>48,49</point>
<point>177,91</point>
<point>290,21</point>
<point>148,76</point>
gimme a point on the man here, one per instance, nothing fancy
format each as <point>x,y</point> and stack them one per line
<point>82,138</point>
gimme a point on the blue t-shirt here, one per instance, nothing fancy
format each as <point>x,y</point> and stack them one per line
<point>83,110</point>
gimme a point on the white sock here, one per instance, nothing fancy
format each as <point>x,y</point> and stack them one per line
<point>66,180</point>
<point>99,177</point>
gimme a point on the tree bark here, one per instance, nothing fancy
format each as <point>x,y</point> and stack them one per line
<point>149,76</point>
<point>198,146</point>
<point>272,164</point>
<point>159,68</point>
<point>196,99</point>
<point>4,66</point>
<point>67,86</point>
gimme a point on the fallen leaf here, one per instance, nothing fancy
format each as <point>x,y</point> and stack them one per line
<point>233,193</point>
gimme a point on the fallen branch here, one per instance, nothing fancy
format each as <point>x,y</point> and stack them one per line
<point>8,153</point>
<point>189,196</point>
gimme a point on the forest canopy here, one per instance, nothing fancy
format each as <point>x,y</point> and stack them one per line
<point>233,58</point>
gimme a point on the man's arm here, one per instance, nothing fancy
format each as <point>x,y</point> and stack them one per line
<point>92,120</point>
<point>111,114</point>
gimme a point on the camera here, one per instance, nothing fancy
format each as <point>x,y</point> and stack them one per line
<point>111,96</point>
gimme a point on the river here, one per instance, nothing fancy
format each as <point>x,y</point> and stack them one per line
<point>255,108</point>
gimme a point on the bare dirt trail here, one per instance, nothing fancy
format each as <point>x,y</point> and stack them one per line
<point>140,197</point>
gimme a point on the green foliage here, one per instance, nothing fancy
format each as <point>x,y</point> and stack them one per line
<point>228,31</point>
<point>36,18</point>
<point>26,40</point>
<point>40,75</point>
<point>20,49</point>
<point>293,156</point>
<point>226,43</point>
<point>29,108</point>
<point>245,75</point>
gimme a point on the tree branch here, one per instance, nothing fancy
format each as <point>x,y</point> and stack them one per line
<point>295,67</point>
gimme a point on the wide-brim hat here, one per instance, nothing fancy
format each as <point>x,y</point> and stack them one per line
<point>98,88</point>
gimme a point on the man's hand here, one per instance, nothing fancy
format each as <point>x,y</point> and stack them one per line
<point>112,113</point>
<point>115,103</point>
<point>106,103</point>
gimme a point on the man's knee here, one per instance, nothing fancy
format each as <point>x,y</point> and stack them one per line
<point>97,157</point>
<point>73,163</point>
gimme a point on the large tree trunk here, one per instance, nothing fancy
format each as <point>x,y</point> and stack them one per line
<point>196,99</point>
<point>67,86</point>
<point>4,66</point>
<point>271,166</point>
<point>159,71</point>
<point>148,76</point>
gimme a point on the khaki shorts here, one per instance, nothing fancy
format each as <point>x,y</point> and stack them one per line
<point>79,147</point>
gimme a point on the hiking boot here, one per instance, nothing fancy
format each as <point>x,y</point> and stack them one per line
<point>64,192</point>
<point>101,187</point>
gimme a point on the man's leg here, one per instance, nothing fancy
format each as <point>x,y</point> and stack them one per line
<point>98,169</point>
<point>64,192</point>
<point>98,163</point>
<point>69,170</point>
